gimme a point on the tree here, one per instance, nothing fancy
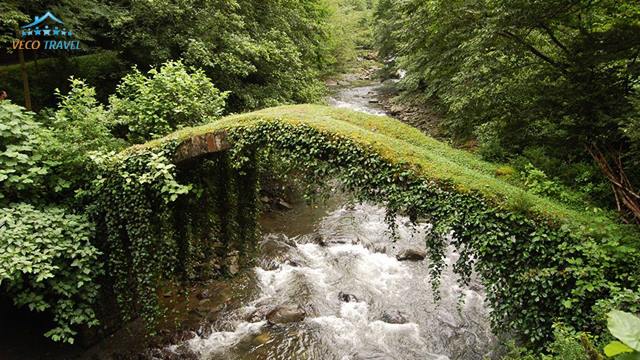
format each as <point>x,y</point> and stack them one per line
<point>85,17</point>
<point>556,78</point>
<point>265,53</point>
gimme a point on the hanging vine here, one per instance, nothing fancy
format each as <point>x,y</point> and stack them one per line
<point>536,272</point>
<point>166,222</point>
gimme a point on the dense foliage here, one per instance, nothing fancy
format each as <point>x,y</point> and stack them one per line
<point>78,128</point>
<point>553,81</point>
<point>147,107</point>
<point>47,263</point>
<point>101,70</point>
<point>47,166</point>
<point>351,28</point>
<point>20,152</point>
<point>265,53</point>
<point>157,229</point>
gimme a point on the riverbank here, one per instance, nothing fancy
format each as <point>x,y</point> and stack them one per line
<point>367,89</point>
<point>413,110</point>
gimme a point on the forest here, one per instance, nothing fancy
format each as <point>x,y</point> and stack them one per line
<point>149,163</point>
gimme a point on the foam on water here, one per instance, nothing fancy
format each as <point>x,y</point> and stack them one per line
<point>357,99</point>
<point>223,340</point>
<point>392,315</point>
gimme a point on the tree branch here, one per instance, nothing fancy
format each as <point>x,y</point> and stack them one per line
<point>553,38</point>
<point>535,51</point>
<point>622,188</point>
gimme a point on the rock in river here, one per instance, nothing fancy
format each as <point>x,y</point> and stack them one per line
<point>344,297</point>
<point>394,317</point>
<point>411,255</point>
<point>285,314</point>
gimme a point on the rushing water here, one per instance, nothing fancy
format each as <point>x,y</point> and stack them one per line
<point>360,301</point>
<point>361,98</point>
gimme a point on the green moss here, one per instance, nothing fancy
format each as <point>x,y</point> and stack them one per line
<point>400,143</point>
<point>540,260</point>
<point>505,171</point>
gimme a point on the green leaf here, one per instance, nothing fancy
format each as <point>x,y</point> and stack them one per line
<point>625,327</point>
<point>615,348</point>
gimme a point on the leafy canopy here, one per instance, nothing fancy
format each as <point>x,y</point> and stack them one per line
<point>554,81</point>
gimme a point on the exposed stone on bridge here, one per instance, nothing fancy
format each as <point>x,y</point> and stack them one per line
<point>199,145</point>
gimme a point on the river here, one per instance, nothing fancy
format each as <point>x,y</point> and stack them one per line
<point>335,271</point>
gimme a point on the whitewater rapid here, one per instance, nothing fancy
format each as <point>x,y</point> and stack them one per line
<point>390,312</point>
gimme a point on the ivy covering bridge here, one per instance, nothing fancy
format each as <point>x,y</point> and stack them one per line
<point>163,202</point>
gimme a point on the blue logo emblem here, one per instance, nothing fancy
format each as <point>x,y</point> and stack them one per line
<point>35,29</point>
<point>46,30</point>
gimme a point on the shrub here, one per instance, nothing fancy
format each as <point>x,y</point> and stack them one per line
<point>539,183</point>
<point>147,107</point>
<point>79,126</point>
<point>48,264</point>
<point>490,146</point>
<point>21,160</point>
<point>568,344</point>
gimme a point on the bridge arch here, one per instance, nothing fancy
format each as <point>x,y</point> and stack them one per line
<point>168,206</point>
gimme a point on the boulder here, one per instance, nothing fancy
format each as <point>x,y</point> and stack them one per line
<point>285,314</point>
<point>411,255</point>
<point>258,314</point>
<point>318,240</point>
<point>394,317</point>
<point>283,205</point>
<point>344,297</point>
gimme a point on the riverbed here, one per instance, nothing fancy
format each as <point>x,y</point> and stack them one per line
<point>359,301</point>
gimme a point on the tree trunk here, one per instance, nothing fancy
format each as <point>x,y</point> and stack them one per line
<point>25,77</point>
<point>627,198</point>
